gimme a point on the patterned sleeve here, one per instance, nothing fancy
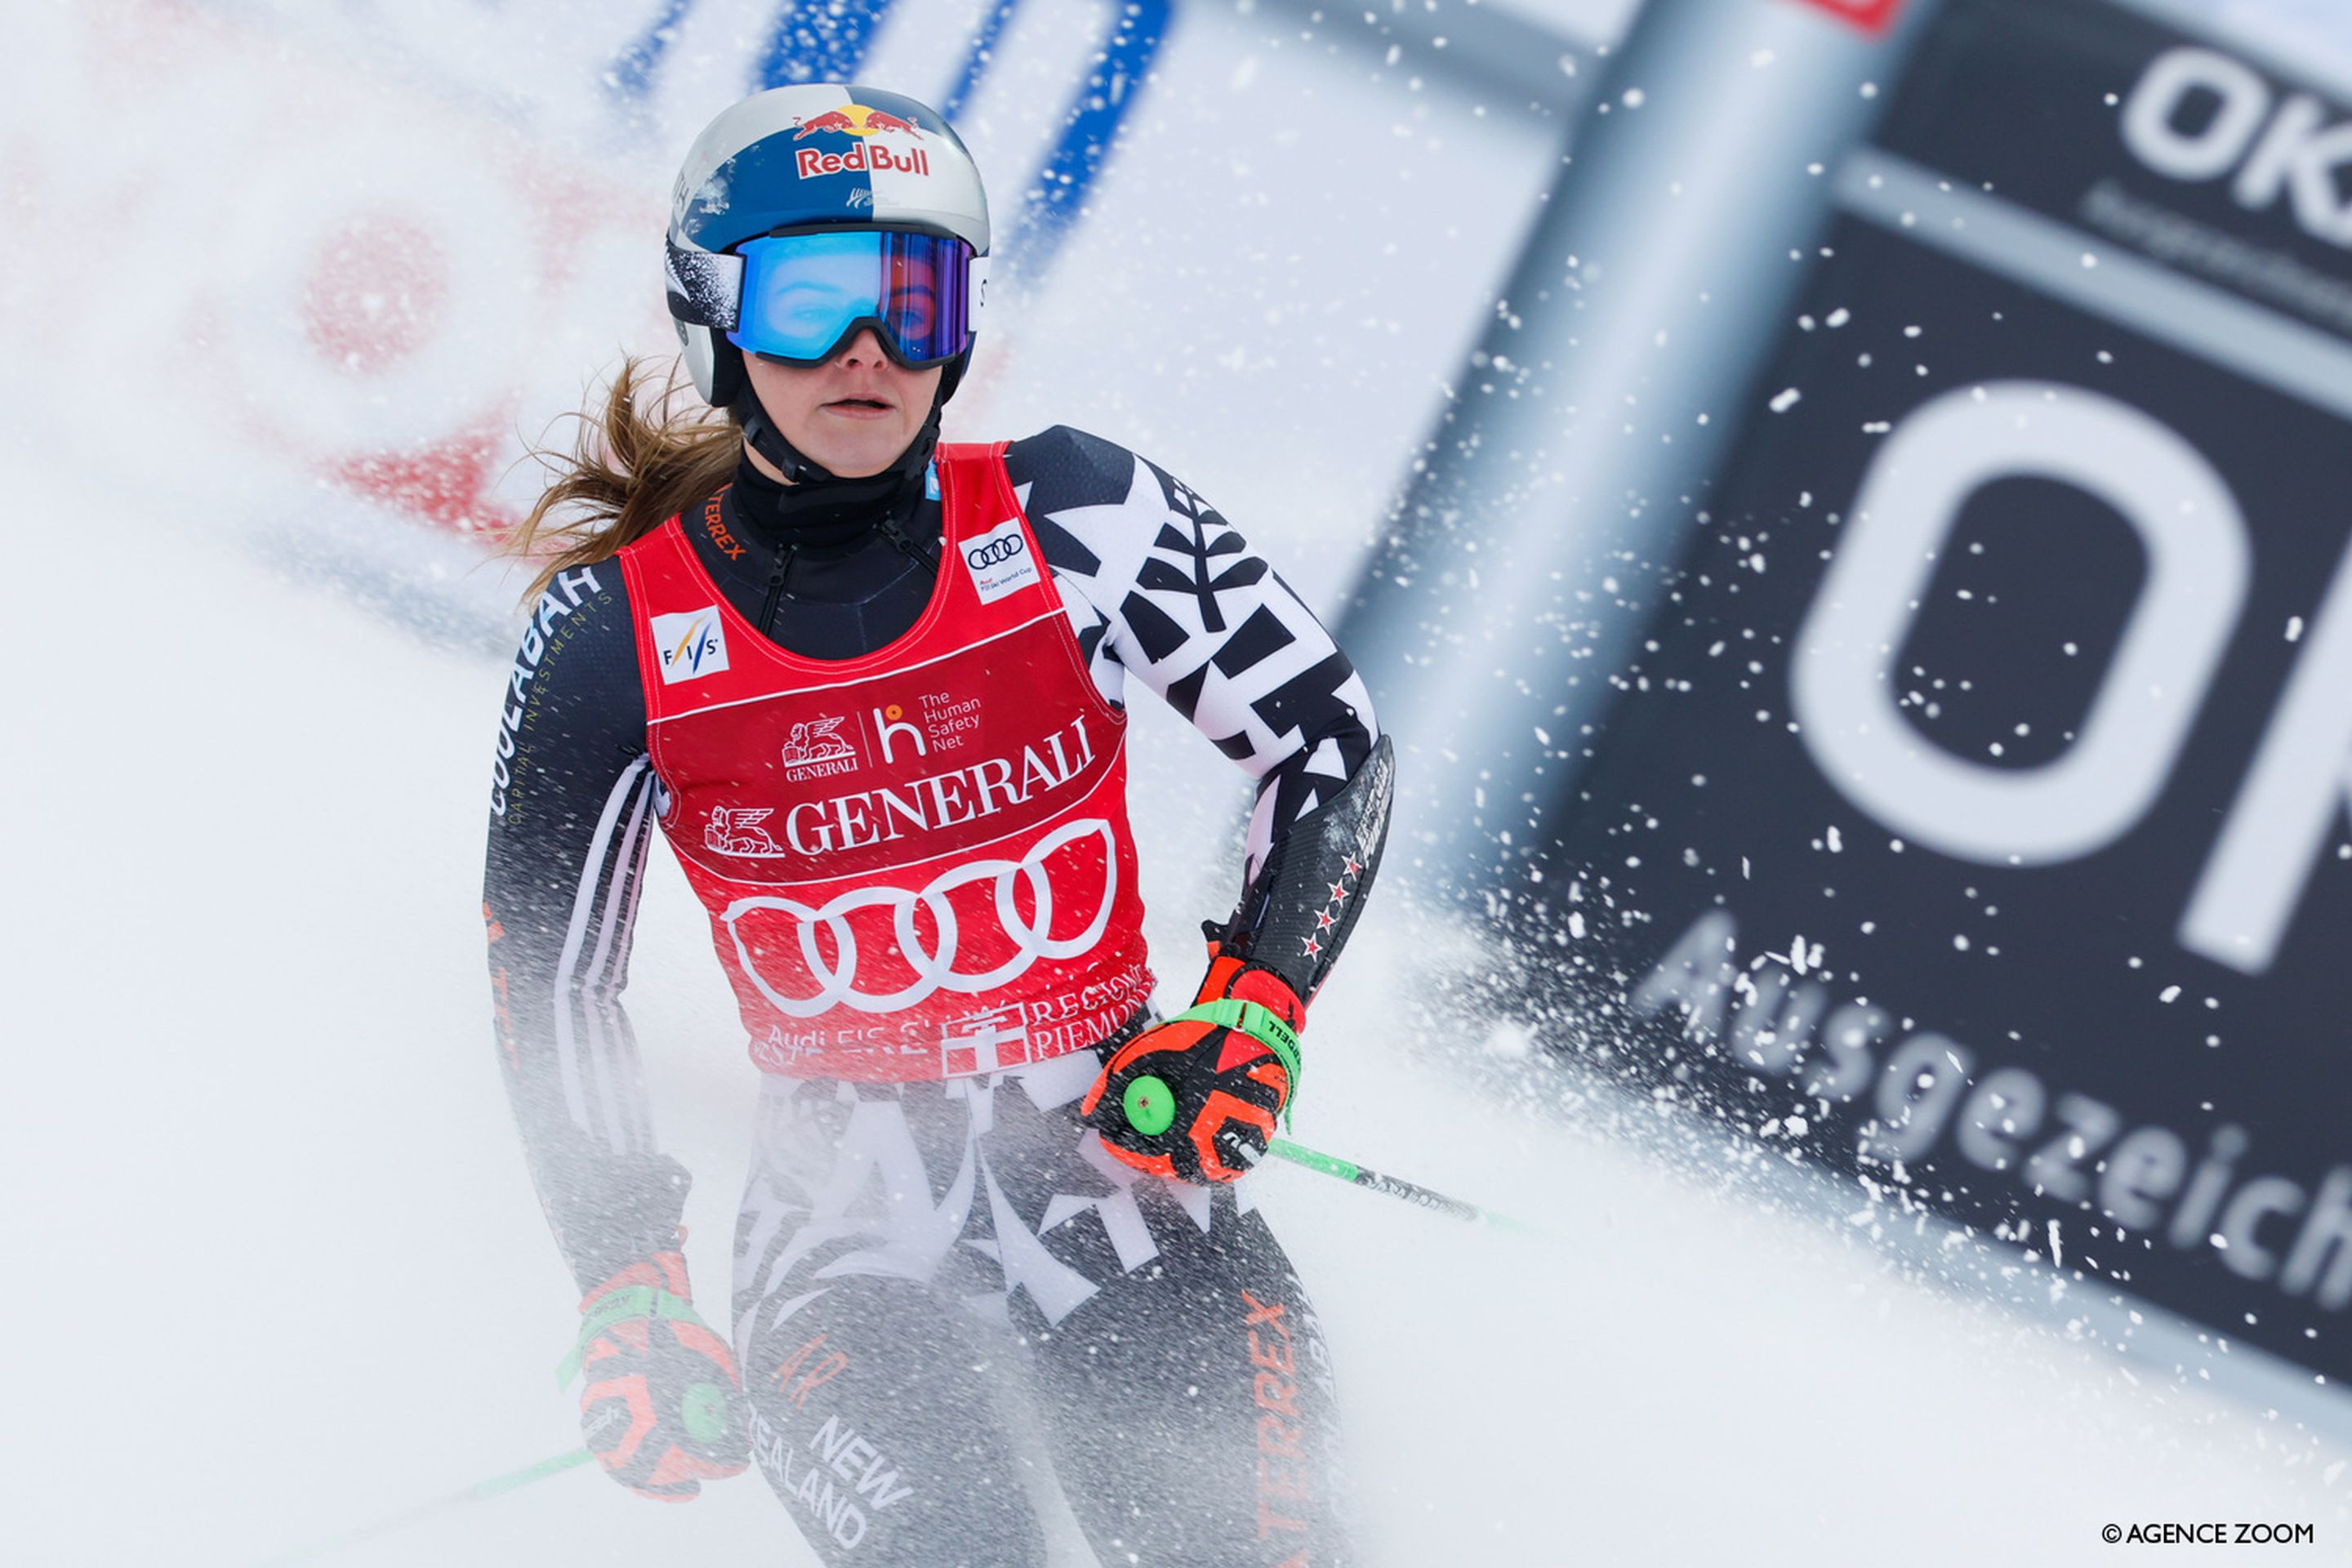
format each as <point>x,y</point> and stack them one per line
<point>1160,587</point>
<point>572,810</point>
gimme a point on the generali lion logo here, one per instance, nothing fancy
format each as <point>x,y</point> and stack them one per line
<point>737,830</point>
<point>818,745</point>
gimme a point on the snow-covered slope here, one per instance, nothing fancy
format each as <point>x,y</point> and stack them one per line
<point>278,1270</point>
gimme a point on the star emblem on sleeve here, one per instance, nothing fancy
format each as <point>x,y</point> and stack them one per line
<point>1327,917</point>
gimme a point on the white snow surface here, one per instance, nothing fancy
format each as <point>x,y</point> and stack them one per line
<point>279,1271</point>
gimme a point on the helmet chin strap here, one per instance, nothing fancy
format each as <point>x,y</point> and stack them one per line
<point>760,433</point>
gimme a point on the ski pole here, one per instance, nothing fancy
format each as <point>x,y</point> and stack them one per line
<point>478,1491</point>
<point>1372,1180</point>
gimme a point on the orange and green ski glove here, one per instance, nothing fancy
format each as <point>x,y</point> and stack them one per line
<point>1196,1098</point>
<point>662,1410</point>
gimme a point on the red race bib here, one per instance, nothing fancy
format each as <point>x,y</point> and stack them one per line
<point>917,863</point>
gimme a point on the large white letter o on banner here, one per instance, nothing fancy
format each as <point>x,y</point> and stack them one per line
<point>1842,673</point>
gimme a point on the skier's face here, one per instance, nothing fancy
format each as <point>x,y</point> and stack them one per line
<point>855,413</point>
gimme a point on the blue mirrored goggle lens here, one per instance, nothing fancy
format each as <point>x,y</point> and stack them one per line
<point>803,293</point>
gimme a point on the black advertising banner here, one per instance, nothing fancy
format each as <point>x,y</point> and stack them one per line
<point>1981,800</point>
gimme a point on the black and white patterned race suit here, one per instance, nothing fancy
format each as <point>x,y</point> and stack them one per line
<point>1142,1344</point>
<point>900,1245</point>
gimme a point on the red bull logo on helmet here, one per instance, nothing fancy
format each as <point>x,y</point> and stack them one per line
<point>862,121</point>
<point>870,155</point>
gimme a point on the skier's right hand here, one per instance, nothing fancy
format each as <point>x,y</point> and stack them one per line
<point>662,1410</point>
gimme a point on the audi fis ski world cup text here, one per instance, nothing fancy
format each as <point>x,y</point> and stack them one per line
<point>986,1040</point>
<point>1000,560</point>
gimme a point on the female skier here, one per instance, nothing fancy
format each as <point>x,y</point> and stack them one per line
<point>871,687</point>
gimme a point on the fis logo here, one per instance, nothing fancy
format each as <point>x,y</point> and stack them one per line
<point>690,645</point>
<point>1000,560</point>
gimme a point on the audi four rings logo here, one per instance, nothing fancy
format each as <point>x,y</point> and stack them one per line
<point>994,551</point>
<point>935,970</point>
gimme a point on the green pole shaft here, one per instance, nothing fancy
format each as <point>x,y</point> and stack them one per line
<point>553,1465</point>
<point>1390,1187</point>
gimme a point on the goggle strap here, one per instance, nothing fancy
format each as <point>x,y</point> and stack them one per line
<point>705,287</point>
<point>975,294</point>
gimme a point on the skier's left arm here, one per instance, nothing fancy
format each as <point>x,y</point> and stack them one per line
<point>1165,590</point>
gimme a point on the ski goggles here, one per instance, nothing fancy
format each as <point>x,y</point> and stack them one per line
<point>797,297</point>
